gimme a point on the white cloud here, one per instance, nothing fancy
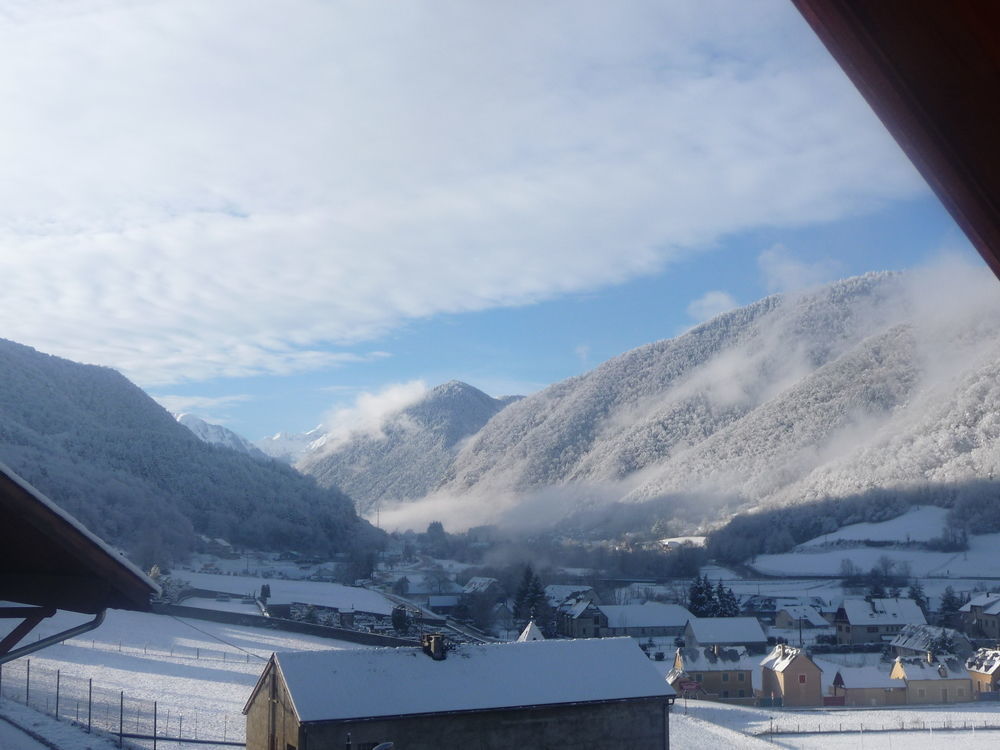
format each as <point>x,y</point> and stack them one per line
<point>370,411</point>
<point>200,189</point>
<point>711,304</point>
<point>783,272</point>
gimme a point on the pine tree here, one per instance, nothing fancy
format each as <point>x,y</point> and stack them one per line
<point>524,598</point>
<point>916,593</point>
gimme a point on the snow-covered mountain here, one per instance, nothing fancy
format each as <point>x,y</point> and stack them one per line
<point>290,447</point>
<point>113,457</point>
<point>216,434</point>
<point>407,453</point>
<point>884,379</point>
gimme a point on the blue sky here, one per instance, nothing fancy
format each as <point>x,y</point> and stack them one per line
<point>262,213</point>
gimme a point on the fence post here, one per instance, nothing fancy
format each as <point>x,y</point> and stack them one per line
<point>154,725</point>
<point>1,680</point>
<point>58,682</point>
<point>90,702</point>
<point>27,685</point>
<point>121,718</point>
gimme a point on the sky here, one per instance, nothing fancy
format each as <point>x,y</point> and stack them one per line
<point>273,215</point>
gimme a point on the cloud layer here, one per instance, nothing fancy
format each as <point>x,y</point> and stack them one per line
<point>202,189</point>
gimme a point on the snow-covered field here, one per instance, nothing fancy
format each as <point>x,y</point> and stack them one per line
<point>926,727</point>
<point>199,673</point>
<point>919,524</point>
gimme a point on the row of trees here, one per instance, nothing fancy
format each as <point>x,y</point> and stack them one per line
<point>705,600</point>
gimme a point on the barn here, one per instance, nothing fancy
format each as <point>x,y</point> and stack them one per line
<point>593,693</point>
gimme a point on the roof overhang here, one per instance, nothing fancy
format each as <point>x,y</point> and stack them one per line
<point>50,560</point>
<point>930,69</point>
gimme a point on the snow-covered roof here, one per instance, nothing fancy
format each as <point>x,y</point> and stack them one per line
<point>984,661</point>
<point>648,615</point>
<point>530,633</point>
<point>918,668</point>
<point>806,614</point>
<point>728,659</point>
<point>782,656</point>
<point>725,630</point>
<point>557,593</point>
<point>579,608</point>
<point>990,604</point>
<point>479,585</point>
<point>883,612</point>
<point>362,683</point>
<point>866,677</point>
<point>923,638</point>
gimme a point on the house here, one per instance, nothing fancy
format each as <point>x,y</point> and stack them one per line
<point>920,640</point>
<point>984,670</point>
<point>580,619</point>
<point>799,616</point>
<point>933,679</point>
<point>868,686</point>
<point>788,674</point>
<point>860,621</point>
<point>981,616</point>
<point>765,608</point>
<point>649,619</point>
<point>726,631</point>
<point>729,674</point>
<point>595,693</point>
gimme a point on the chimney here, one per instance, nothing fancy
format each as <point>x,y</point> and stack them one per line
<point>433,645</point>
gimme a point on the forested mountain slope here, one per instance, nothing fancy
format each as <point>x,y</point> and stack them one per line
<point>883,381</point>
<point>105,451</point>
<point>411,450</point>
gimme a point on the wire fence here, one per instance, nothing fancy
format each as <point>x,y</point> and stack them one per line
<point>896,725</point>
<point>95,708</point>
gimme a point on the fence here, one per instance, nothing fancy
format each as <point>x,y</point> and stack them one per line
<point>95,708</point>
<point>804,727</point>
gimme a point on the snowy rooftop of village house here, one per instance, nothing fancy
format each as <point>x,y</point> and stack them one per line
<point>530,633</point>
<point>990,604</point>
<point>648,615</point>
<point>709,630</point>
<point>557,593</point>
<point>922,638</point>
<point>362,683</point>
<point>780,657</point>
<point>807,614</point>
<point>870,676</point>
<point>984,661</point>
<point>883,612</point>
<point>479,585</point>
<point>707,659</point>
<point>942,668</point>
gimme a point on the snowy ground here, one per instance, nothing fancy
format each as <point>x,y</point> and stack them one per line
<point>919,524</point>
<point>199,673</point>
<point>929,727</point>
<point>233,605</point>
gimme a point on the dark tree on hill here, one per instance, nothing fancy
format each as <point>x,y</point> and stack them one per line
<point>701,597</point>
<point>726,603</point>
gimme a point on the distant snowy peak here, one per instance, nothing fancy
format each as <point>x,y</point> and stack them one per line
<point>290,447</point>
<point>409,452</point>
<point>218,435</point>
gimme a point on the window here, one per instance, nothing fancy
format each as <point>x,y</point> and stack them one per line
<point>725,676</point>
<point>699,677</point>
<point>961,692</point>
<point>920,692</point>
<point>873,628</point>
<point>741,676</point>
<point>725,693</point>
<point>742,693</point>
<point>802,679</point>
